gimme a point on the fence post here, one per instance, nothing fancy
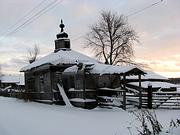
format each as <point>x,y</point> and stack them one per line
<point>149,96</point>
<point>124,99</point>
<point>140,92</point>
<point>124,92</point>
<point>140,98</point>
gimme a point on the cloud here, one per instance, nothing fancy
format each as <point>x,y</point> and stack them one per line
<point>167,67</point>
<point>14,52</point>
<point>178,64</point>
<point>169,74</point>
<point>13,64</point>
<point>158,28</point>
<point>18,61</point>
<point>84,9</point>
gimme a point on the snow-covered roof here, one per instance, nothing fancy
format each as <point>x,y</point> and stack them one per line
<point>10,79</point>
<point>111,69</point>
<point>68,56</point>
<point>98,68</point>
<point>154,84</point>
<point>18,79</point>
<point>63,56</point>
<point>21,80</point>
<point>71,69</point>
<point>149,75</point>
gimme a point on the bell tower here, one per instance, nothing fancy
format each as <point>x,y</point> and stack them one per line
<point>62,41</point>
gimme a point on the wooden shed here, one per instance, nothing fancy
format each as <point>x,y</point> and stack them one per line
<point>79,75</point>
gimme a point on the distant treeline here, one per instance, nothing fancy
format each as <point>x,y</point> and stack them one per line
<point>175,80</point>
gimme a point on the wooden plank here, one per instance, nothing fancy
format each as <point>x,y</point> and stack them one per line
<point>124,100</point>
<point>169,105</point>
<point>133,101</point>
<point>149,100</point>
<point>140,92</point>
<point>132,95</point>
<point>166,96</point>
<point>174,108</point>
<point>165,99</point>
<point>163,93</point>
<point>109,89</point>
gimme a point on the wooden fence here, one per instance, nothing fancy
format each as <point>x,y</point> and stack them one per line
<point>136,97</point>
<point>107,97</point>
<point>45,97</point>
<point>150,99</point>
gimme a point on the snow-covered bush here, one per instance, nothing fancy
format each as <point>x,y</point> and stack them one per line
<point>173,124</point>
<point>148,121</point>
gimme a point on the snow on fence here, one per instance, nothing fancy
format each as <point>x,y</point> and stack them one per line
<point>108,100</point>
<point>150,99</point>
<point>136,97</point>
<point>44,97</point>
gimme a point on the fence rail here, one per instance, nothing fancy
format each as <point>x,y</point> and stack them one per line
<point>35,96</point>
<point>139,98</point>
<point>105,97</point>
<point>150,99</point>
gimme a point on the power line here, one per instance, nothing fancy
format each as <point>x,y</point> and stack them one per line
<point>141,10</point>
<point>42,13</point>
<point>51,6</point>
<point>31,18</point>
<point>23,17</point>
<point>37,15</point>
<point>132,14</point>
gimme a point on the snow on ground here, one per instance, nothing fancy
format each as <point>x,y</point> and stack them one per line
<point>29,118</point>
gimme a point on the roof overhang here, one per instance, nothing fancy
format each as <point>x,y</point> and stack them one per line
<point>135,71</point>
<point>103,69</point>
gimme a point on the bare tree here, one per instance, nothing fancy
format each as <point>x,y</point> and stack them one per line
<point>33,53</point>
<point>112,38</point>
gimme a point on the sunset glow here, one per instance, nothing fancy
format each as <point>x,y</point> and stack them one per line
<point>158,29</point>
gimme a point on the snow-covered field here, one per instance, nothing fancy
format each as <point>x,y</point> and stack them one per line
<point>29,118</point>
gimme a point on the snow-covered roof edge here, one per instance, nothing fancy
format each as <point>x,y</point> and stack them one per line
<point>154,84</point>
<point>17,79</point>
<point>150,75</point>
<point>62,56</point>
<point>101,69</point>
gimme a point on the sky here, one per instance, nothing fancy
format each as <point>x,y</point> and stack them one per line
<point>158,29</point>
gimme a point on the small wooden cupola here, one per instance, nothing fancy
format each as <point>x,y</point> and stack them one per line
<point>62,41</point>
